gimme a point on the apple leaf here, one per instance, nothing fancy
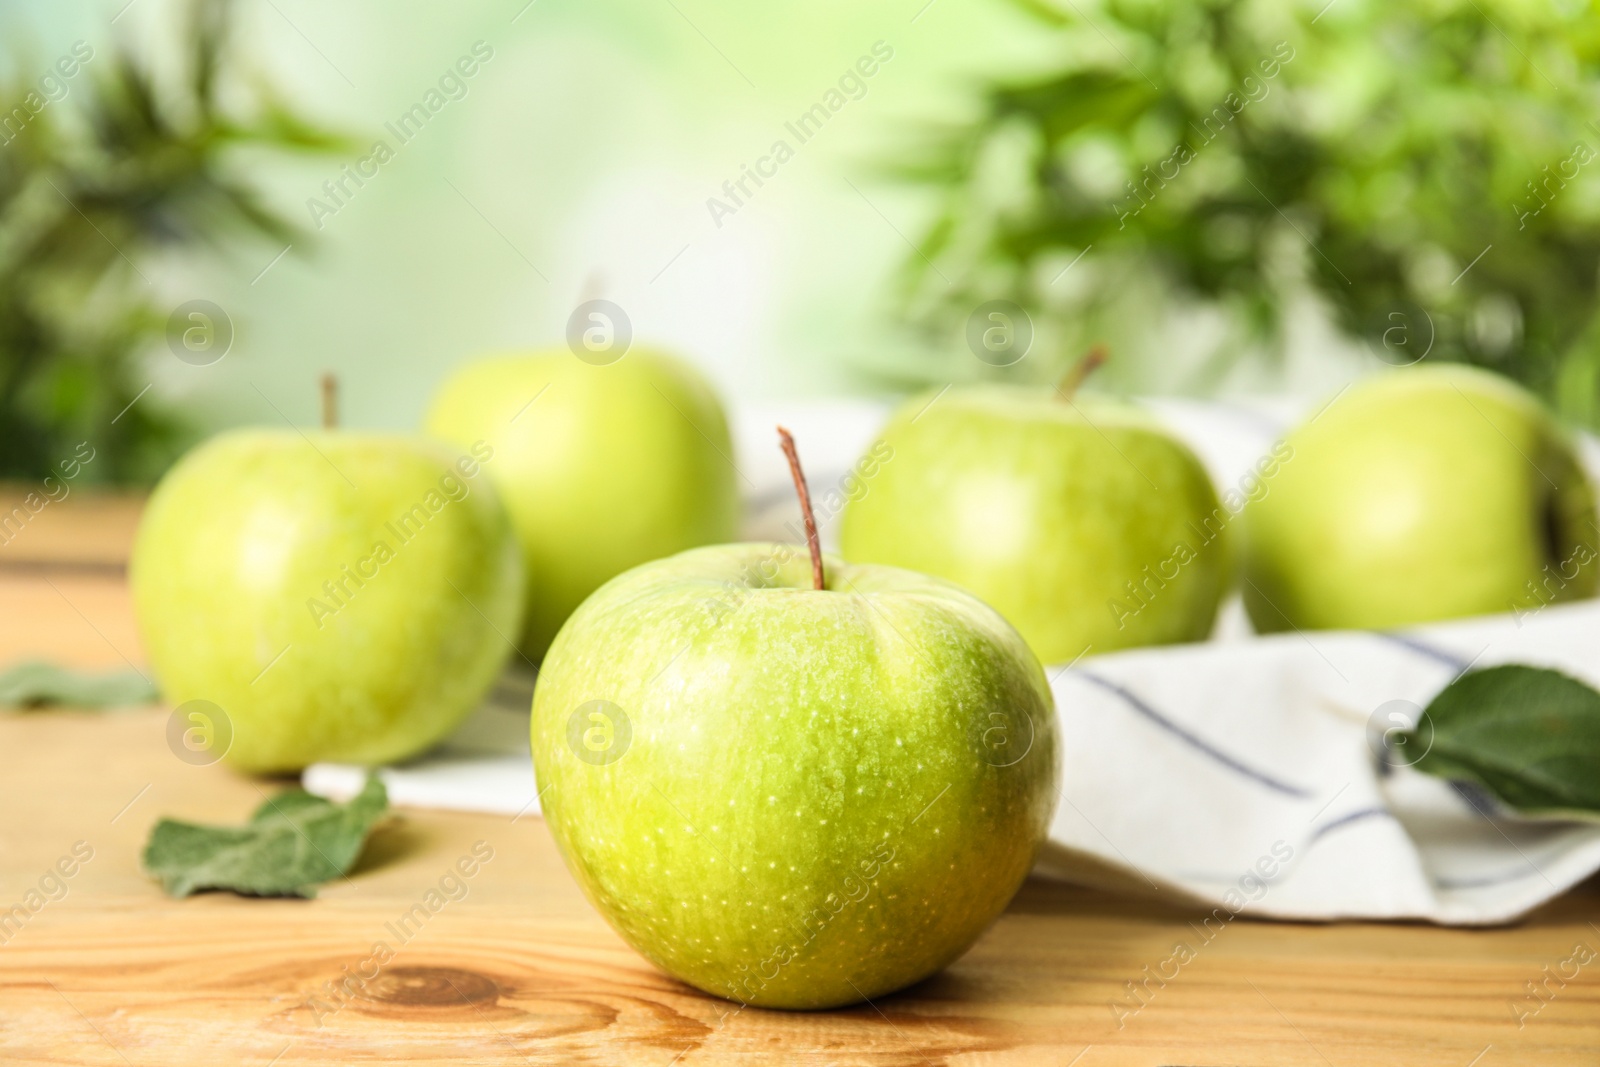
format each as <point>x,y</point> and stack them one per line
<point>1530,736</point>
<point>294,842</point>
<point>37,684</point>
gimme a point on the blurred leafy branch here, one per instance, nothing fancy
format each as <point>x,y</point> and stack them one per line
<point>101,169</point>
<point>1426,170</point>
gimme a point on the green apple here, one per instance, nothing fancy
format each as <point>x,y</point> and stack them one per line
<point>791,797</point>
<point>338,596</point>
<point>1425,493</point>
<point>601,467</point>
<point>1083,522</point>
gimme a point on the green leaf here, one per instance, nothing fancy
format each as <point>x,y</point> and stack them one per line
<point>293,843</point>
<point>38,684</point>
<point>1530,736</point>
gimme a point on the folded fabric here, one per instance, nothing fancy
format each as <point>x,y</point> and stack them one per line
<point>1245,774</point>
<point>1253,775</point>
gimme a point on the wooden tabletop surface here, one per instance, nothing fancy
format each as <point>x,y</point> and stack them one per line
<point>520,970</point>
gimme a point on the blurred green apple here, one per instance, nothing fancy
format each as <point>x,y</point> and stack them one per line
<point>1425,493</point>
<point>791,797</point>
<point>601,467</point>
<point>1081,521</point>
<point>339,596</point>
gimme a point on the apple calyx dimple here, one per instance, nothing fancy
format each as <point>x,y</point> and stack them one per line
<point>813,542</point>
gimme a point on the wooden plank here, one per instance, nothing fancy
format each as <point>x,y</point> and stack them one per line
<point>518,969</point>
<point>88,528</point>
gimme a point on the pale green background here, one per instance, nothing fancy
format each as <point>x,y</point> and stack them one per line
<point>590,142</point>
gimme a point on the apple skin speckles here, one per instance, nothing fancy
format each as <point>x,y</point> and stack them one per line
<point>840,741</point>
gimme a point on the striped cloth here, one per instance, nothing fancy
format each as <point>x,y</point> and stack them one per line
<point>1246,774</point>
<point>1251,775</point>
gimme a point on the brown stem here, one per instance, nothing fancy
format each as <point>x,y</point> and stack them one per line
<point>1080,371</point>
<point>786,439</point>
<point>330,401</point>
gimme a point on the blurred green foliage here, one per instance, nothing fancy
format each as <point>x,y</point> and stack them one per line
<point>105,163</point>
<point>1428,170</point>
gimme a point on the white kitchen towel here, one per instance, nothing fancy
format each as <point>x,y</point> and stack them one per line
<point>1246,774</point>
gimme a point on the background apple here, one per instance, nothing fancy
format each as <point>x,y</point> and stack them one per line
<point>339,596</point>
<point>1083,522</point>
<point>1424,493</point>
<point>789,797</point>
<point>601,467</point>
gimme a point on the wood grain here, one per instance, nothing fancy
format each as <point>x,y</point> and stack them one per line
<point>520,970</point>
<point>87,530</point>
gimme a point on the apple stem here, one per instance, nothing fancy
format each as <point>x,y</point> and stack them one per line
<point>330,401</point>
<point>786,439</point>
<point>1080,371</point>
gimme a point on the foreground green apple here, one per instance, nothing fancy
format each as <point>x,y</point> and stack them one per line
<point>601,467</point>
<point>1083,523</point>
<point>1425,493</point>
<point>338,596</point>
<point>789,797</point>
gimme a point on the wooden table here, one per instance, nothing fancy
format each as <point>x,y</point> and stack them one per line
<point>522,971</point>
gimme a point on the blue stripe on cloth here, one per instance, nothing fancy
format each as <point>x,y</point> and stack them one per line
<point>1347,819</point>
<point>1486,880</point>
<point>1480,800</point>
<point>1438,655</point>
<point>1194,742</point>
